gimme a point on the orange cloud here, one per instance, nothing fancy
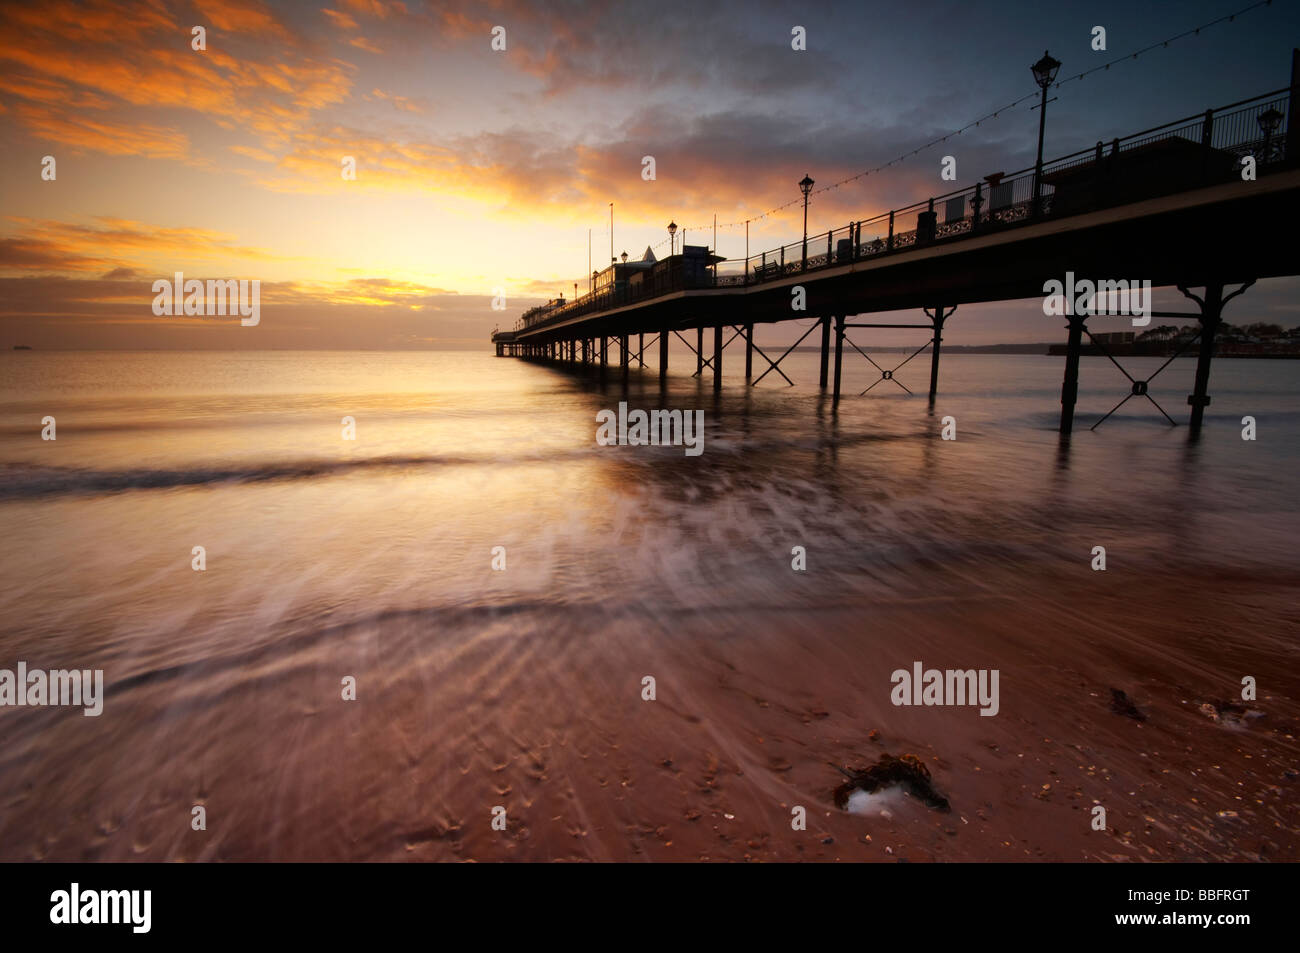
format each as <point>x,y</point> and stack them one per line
<point>45,90</point>
<point>361,43</point>
<point>92,133</point>
<point>340,19</point>
<point>243,16</point>
<point>94,55</point>
<point>377,8</point>
<point>398,102</point>
<point>68,247</point>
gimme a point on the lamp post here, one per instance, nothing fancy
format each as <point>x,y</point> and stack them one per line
<point>625,258</point>
<point>672,231</point>
<point>1268,121</point>
<point>805,185</point>
<point>1044,74</point>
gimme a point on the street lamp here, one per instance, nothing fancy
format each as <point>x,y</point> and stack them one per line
<point>625,258</point>
<point>672,230</point>
<point>1268,123</point>
<point>1044,75</point>
<point>805,185</point>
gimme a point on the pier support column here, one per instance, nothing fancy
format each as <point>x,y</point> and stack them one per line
<point>826,347</point>
<point>1070,386</point>
<point>1211,318</point>
<point>699,351</point>
<point>839,354</point>
<point>937,318</point>
<point>663,354</point>
<point>640,349</point>
<point>604,356</point>
<point>623,356</point>
<point>717,358</point>
<point>749,352</point>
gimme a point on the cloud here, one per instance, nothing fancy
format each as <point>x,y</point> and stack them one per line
<point>35,254</point>
<point>70,248</point>
<point>261,155</point>
<point>378,8</point>
<point>86,132</point>
<point>398,102</point>
<point>372,313</point>
<point>97,56</point>
<point>41,89</point>
<point>340,19</point>
<point>244,16</point>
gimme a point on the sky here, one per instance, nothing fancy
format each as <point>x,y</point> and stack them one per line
<point>480,169</point>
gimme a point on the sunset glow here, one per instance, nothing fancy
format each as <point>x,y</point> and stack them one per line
<point>481,168</point>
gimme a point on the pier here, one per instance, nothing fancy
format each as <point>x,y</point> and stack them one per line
<point>1171,205</point>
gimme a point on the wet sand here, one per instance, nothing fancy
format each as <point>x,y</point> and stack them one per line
<point>540,711</point>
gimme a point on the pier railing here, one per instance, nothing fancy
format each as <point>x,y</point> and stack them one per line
<point>1184,154</point>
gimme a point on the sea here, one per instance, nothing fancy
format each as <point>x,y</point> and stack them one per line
<point>347,605</point>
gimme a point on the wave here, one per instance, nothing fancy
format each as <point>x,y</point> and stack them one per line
<point>18,481</point>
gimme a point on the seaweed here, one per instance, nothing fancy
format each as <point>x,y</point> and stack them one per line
<point>908,772</point>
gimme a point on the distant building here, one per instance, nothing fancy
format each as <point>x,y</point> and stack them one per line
<point>617,275</point>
